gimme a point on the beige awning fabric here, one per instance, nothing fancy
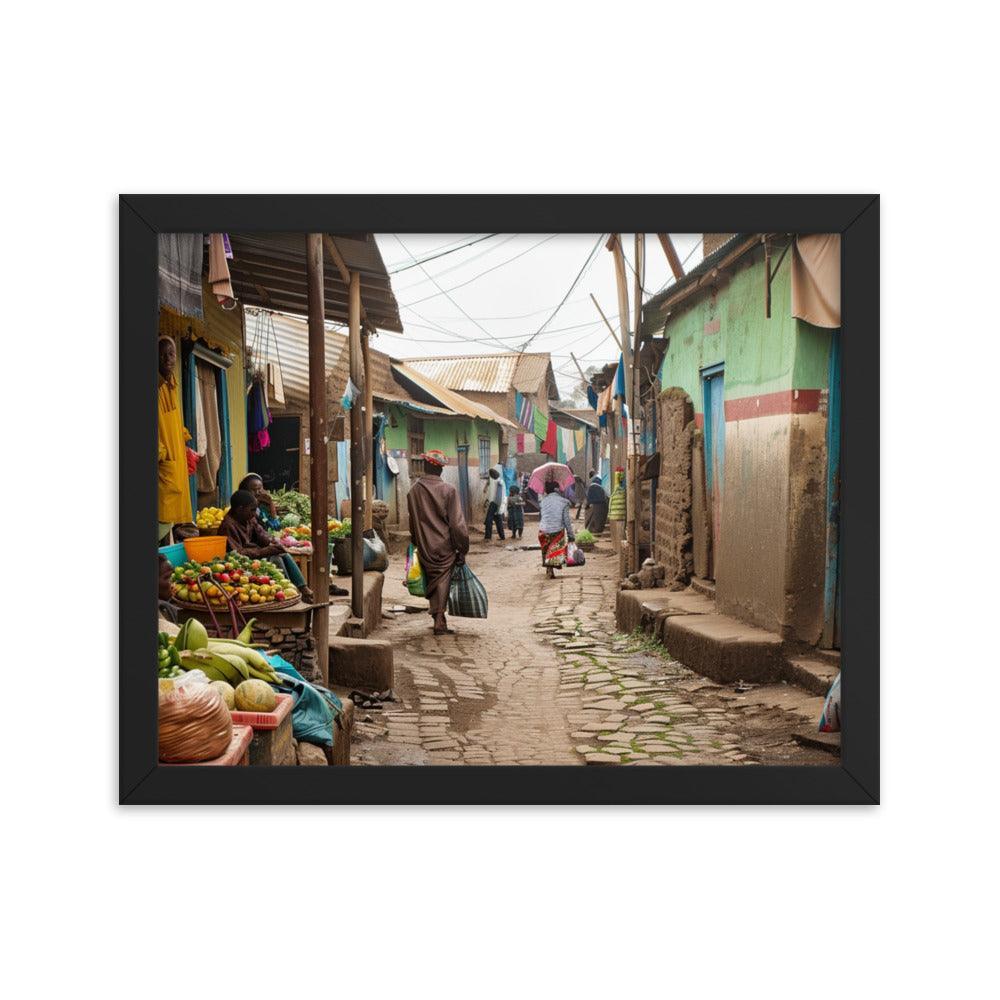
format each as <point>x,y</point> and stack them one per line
<point>816,279</point>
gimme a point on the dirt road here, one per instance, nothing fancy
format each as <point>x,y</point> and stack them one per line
<point>546,680</point>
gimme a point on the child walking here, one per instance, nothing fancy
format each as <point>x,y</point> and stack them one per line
<point>515,512</point>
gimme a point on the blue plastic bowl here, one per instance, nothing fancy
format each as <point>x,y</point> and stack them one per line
<point>175,554</point>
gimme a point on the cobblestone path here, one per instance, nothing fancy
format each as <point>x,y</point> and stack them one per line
<point>545,679</point>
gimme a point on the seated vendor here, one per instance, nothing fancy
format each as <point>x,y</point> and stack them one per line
<point>267,513</point>
<point>247,536</point>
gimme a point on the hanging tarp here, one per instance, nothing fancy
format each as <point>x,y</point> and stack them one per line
<point>816,279</point>
<point>180,257</point>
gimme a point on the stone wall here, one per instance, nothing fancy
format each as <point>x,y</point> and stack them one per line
<point>675,427</point>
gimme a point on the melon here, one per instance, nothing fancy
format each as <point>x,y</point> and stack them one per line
<point>255,696</point>
<point>226,690</point>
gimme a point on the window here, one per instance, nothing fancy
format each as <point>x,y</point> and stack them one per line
<point>415,430</point>
<point>484,457</point>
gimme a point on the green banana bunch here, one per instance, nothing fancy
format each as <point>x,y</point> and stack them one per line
<point>215,666</point>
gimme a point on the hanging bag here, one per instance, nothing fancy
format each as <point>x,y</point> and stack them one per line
<point>467,596</point>
<point>416,583</point>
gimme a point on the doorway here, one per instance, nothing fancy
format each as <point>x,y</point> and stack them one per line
<point>278,464</point>
<point>463,479</point>
<point>712,381</point>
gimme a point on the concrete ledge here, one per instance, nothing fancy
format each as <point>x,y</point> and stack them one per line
<point>646,608</point>
<point>365,664</point>
<point>723,648</point>
<point>811,674</point>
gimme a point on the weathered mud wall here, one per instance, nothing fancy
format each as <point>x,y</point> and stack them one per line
<point>751,553</point>
<point>675,427</point>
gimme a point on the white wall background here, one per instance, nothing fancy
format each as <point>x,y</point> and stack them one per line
<point>718,902</point>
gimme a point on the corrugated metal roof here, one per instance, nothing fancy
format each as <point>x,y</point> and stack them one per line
<point>292,336</point>
<point>269,270</point>
<point>453,400</point>
<point>588,416</point>
<point>490,372</point>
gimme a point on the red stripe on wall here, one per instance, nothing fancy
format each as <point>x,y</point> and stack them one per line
<point>773,404</point>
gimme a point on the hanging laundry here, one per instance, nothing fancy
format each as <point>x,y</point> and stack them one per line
<point>549,445</point>
<point>568,442</point>
<point>580,439</point>
<point>218,271</point>
<point>350,393</point>
<point>258,417</point>
<point>525,412</point>
<point>180,257</point>
<point>540,425</point>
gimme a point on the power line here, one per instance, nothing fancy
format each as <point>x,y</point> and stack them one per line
<point>446,295</point>
<point>576,280</point>
<point>444,253</point>
<point>476,277</point>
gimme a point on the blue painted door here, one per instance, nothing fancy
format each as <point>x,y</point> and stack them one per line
<point>831,588</point>
<point>715,452</point>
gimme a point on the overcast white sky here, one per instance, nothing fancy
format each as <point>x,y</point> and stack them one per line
<point>505,287</point>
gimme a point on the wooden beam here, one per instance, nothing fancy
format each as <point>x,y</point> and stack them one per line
<point>341,265</point>
<point>615,245</point>
<point>672,259</point>
<point>634,499</point>
<point>357,460</point>
<point>319,571</point>
<point>606,323</point>
<point>366,430</point>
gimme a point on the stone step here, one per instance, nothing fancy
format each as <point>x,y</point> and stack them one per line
<point>723,648</point>
<point>366,664</point>
<point>811,673</point>
<point>706,587</point>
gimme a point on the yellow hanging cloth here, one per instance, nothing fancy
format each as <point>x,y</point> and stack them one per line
<point>174,497</point>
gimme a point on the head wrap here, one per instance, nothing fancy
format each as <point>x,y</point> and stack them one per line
<point>435,457</point>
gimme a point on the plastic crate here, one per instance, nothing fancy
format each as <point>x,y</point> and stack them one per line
<point>176,554</point>
<point>266,720</point>
<point>205,547</point>
<point>238,754</point>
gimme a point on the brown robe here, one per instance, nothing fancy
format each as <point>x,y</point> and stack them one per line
<point>438,530</point>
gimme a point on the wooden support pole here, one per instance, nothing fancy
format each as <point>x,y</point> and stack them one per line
<point>635,499</point>
<point>671,254</point>
<point>606,323</point>
<point>357,371</point>
<point>615,246</point>
<point>319,570</point>
<point>366,428</point>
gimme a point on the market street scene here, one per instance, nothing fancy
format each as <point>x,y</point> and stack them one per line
<point>498,499</point>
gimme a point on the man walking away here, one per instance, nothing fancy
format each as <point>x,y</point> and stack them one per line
<point>438,530</point>
<point>495,495</point>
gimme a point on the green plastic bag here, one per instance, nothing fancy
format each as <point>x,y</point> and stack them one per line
<point>416,582</point>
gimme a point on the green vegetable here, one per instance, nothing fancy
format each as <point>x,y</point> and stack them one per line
<point>344,531</point>
<point>584,537</point>
<point>291,502</point>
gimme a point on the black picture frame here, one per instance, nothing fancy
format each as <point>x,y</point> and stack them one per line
<point>856,217</point>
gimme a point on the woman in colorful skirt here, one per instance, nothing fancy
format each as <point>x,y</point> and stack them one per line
<point>555,529</point>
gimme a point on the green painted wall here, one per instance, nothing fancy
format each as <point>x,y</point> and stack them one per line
<point>444,434</point>
<point>761,355</point>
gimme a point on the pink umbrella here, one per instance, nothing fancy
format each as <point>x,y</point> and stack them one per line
<point>562,474</point>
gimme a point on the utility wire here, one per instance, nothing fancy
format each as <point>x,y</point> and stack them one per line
<point>444,253</point>
<point>576,281</point>
<point>448,297</point>
<point>476,277</point>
